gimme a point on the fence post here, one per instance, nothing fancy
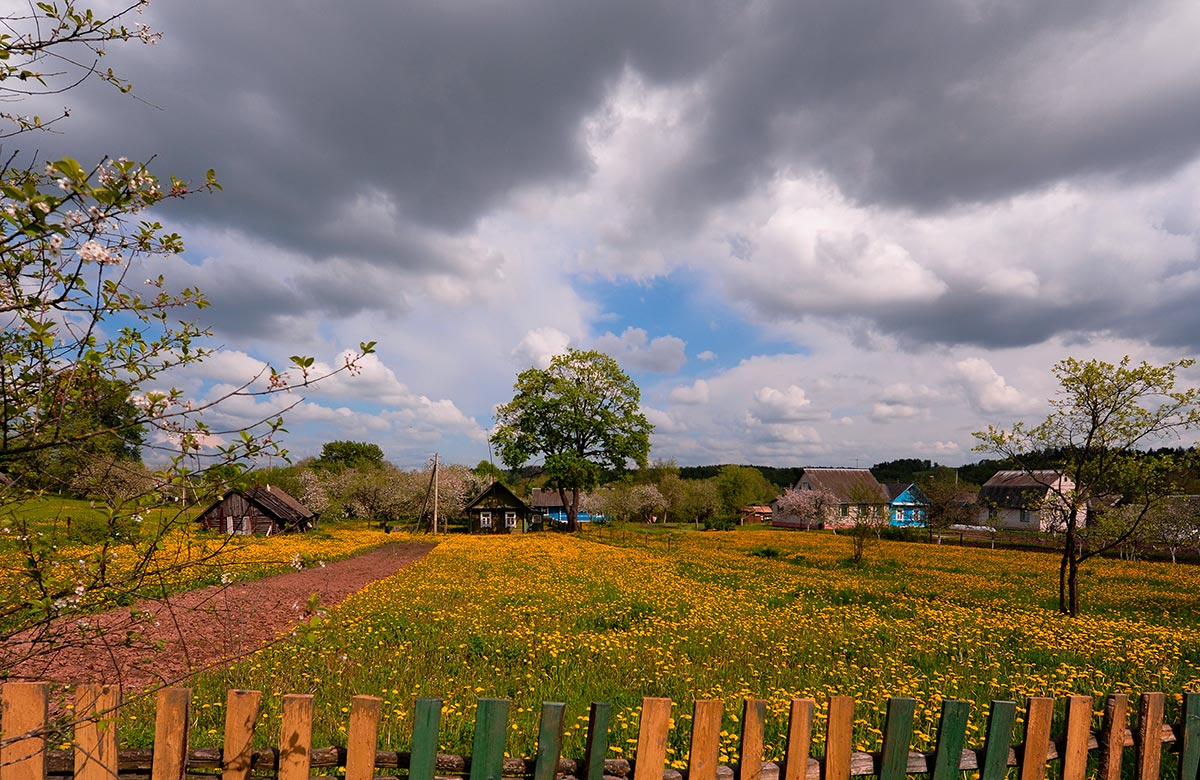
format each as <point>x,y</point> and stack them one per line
<point>1149,736</point>
<point>1189,750</point>
<point>750,753</point>
<point>1036,749</point>
<point>839,738</point>
<point>549,748</point>
<point>24,708</point>
<point>363,737</point>
<point>1079,729</point>
<point>706,740</point>
<point>487,750</point>
<point>597,739</point>
<point>999,740</point>
<point>96,732</point>
<point>295,737</point>
<point>427,720</point>
<point>171,734</point>
<point>897,736</point>
<point>952,733</point>
<point>1112,737</point>
<point>241,715</point>
<point>653,726</point>
<point>799,740</point>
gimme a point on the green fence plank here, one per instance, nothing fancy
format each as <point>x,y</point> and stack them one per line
<point>952,735</point>
<point>897,737</point>
<point>491,728</point>
<point>549,740</point>
<point>999,740</point>
<point>597,739</point>
<point>1189,750</point>
<point>427,721</point>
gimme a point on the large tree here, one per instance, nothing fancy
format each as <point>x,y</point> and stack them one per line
<point>350,455</point>
<point>580,415</point>
<point>1102,420</point>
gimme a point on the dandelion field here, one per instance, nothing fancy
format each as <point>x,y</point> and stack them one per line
<point>767,614</point>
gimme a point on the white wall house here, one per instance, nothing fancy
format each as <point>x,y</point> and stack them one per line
<point>1025,500</point>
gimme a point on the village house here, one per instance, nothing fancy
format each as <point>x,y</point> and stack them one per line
<point>262,510</point>
<point>1028,500</point>
<point>547,503</point>
<point>854,495</point>
<point>909,506</point>
<point>498,510</point>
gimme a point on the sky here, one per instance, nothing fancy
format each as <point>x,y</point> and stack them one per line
<point>814,233</point>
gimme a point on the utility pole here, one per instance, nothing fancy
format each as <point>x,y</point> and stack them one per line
<point>435,494</point>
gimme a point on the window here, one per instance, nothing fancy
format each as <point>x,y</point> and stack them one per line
<point>844,510</point>
<point>510,519</point>
<point>1026,516</point>
<point>485,519</point>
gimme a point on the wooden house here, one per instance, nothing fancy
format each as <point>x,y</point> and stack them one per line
<point>261,510</point>
<point>909,506</point>
<point>854,494</point>
<point>1029,500</point>
<point>498,510</point>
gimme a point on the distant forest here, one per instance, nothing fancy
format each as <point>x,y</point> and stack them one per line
<point>916,469</point>
<point>901,470</point>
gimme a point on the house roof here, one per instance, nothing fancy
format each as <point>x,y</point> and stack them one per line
<point>851,486</point>
<point>545,498</point>
<point>757,508</point>
<point>1017,489</point>
<point>498,491</point>
<point>273,501</point>
<point>909,491</point>
<point>279,503</point>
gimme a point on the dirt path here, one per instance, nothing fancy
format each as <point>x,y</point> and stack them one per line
<point>202,628</point>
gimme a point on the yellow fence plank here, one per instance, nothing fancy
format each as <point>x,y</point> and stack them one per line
<point>170,734</point>
<point>96,732</point>
<point>23,710</point>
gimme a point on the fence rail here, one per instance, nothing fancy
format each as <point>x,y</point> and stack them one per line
<point>95,754</point>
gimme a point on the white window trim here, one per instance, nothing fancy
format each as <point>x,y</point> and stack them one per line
<point>485,519</point>
<point>510,519</point>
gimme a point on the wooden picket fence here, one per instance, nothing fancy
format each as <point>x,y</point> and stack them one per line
<point>1079,752</point>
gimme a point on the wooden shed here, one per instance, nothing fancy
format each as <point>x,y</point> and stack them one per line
<point>497,510</point>
<point>261,510</point>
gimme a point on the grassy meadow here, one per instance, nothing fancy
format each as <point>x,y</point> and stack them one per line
<point>768,614</point>
<point>181,557</point>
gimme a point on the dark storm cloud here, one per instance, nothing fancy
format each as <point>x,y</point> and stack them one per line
<point>365,132</point>
<point>433,112</point>
<point>931,103</point>
<point>427,113</point>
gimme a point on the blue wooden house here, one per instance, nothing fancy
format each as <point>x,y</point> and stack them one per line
<point>909,506</point>
<point>548,504</point>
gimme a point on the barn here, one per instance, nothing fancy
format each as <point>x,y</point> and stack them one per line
<point>261,510</point>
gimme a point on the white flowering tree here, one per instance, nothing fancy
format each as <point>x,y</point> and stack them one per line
<point>812,507</point>
<point>79,327</point>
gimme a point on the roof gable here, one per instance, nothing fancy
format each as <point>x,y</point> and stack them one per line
<point>499,495</point>
<point>1020,489</point>
<point>851,486</point>
<point>906,493</point>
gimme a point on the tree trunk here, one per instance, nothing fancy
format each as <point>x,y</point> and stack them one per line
<point>573,511</point>
<point>1068,574</point>
<point>1062,582</point>
<point>1073,583</point>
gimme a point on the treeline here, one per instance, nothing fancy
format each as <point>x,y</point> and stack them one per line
<point>918,470</point>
